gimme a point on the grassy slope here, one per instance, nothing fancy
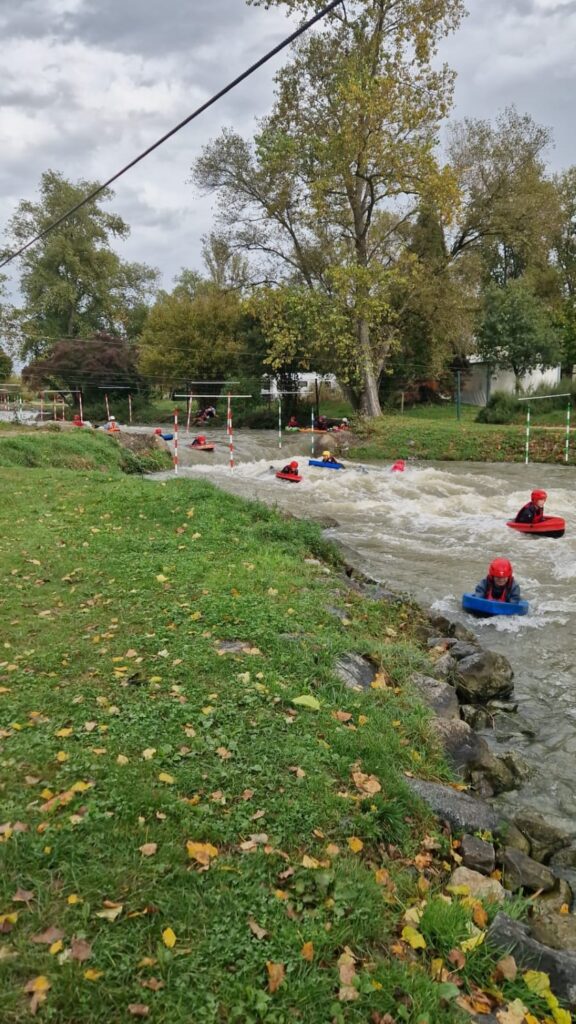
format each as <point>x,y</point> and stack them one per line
<point>427,436</point>
<point>115,595</point>
<point>78,450</point>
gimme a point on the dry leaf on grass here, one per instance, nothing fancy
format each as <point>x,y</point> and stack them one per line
<point>49,936</point>
<point>307,951</point>
<point>148,849</point>
<point>80,950</point>
<point>138,1009</point>
<point>256,930</point>
<point>276,974</point>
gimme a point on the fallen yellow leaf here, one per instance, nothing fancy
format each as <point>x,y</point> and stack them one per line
<point>307,951</point>
<point>355,844</point>
<point>413,937</point>
<point>168,779</point>
<point>169,938</point>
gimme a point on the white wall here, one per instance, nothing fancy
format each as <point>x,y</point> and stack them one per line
<point>475,383</point>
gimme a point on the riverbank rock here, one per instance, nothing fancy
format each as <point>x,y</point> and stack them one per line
<point>555,930</point>
<point>521,872</point>
<point>437,695</point>
<point>471,755</point>
<point>545,837</point>
<point>513,937</point>
<point>450,627</point>
<point>475,716</point>
<point>477,854</point>
<point>477,885</point>
<point>482,676</point>
<point>463,812</point>
<point>355,671</point>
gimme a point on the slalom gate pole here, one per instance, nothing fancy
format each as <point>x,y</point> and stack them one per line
<point>567,447</point>
<point>279,422</point>
<point>41,407</point>
<point>129,407</point>
<point>80,406</point>
<point>176,441</point>
<point>188,415</point>
<point>229,431</point>
<point>312,435</point>
<point>107,405</point>
<point>527,449</point>
<point>63,410</point>
<point>54,407</point>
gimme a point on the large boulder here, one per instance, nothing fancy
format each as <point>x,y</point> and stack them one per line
<point>471,755</point>
<point>546,838</point>
<point>463,812</point>
<point>438,696</point>
<point>482,676</point>
<point>521,872</point>
<point>513,937</point>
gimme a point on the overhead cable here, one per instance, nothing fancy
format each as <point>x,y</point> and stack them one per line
<point>191,117</point>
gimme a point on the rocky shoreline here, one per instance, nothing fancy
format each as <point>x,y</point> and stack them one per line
<point>468,687</point>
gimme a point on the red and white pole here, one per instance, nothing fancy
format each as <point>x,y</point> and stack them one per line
<point>176,441</point>
<point>229,431</point>
<point>188,415</point>
<point>129,407</point>
<point>80,406</point>
<point>107,405</point>
<point>54,407</point>
<point>63,410</point>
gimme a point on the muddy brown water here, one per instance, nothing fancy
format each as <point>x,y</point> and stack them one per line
<point>431,532</point>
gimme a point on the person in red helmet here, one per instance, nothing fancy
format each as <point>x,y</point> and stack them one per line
<point>499,584</point>
<point>199,441</point>
<point>533,511</point>
<point>291,469</point>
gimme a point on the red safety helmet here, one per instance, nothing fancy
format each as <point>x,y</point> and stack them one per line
<point>500,567</point>
<point>293,465</point>
<point>201,439</point>
<point>538,496</point>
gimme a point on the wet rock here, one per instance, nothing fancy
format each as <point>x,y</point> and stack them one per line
<point>463,649</point>
<point>521,872</point>
<point>482,676</point>
<point>476,717</point>
<point>513,937</point>
<point>555,930</point>
<point>516,764</point>
<point>464,812</point>
<point>565,858</point>
<point>234,647</point>
<point>461,632</point>
<point>509,725</point>
<point>327,522</point>
<point>443,625</point>
<point>545,837</point>
<point>478,885</point>
<point>478,855</point>
<point>555,900</point>
<point>438,696</point>
<point>355,671</point>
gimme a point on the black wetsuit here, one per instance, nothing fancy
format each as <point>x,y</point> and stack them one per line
<point>530,513</point>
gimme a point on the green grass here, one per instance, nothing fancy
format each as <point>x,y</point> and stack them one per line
<point>392,437</point>
<point>79,450</point>
<point>116,595</point>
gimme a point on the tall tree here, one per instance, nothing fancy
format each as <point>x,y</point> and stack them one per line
<point>564,249</point>
<point>88,366</point>
<point>72,282</point>
<point>192,332</point>
<point>516,331</point>
<point>353,130</point>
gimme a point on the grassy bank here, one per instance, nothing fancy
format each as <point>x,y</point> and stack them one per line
<point>429,436</point>
<point>196,832</point>
<point>78,450</point>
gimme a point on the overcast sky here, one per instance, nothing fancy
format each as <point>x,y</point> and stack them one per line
<point>85,85</point>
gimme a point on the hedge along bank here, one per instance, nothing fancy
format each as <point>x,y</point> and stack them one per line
<point>199,817</point>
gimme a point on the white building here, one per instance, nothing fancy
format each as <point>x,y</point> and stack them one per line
<point>480,381</point>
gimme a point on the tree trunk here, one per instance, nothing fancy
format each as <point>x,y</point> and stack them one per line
<point>370,400</point>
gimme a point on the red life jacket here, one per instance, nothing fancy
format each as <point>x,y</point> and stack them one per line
<point>505,592</point>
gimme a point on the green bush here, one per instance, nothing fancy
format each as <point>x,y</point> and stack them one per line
<point>501,408</point>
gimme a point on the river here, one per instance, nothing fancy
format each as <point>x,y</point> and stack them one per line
<point>431,531</point>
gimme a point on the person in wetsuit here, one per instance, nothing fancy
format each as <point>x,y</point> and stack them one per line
<point>533,511</point>
<point>499,584</point>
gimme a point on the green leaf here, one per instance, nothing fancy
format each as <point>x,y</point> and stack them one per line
<point>307,701</point>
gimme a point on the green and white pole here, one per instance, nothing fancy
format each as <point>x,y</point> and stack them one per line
<point>527,453</point>
<point>567,446</point>
<point>279,421</point>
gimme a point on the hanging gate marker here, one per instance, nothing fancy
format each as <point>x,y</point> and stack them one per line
<point>129,407</point>
<point>228,417</point>
<point>80,406</point>
<point>107,405</point>
<point>176,442</point>
<point>540,398</point>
